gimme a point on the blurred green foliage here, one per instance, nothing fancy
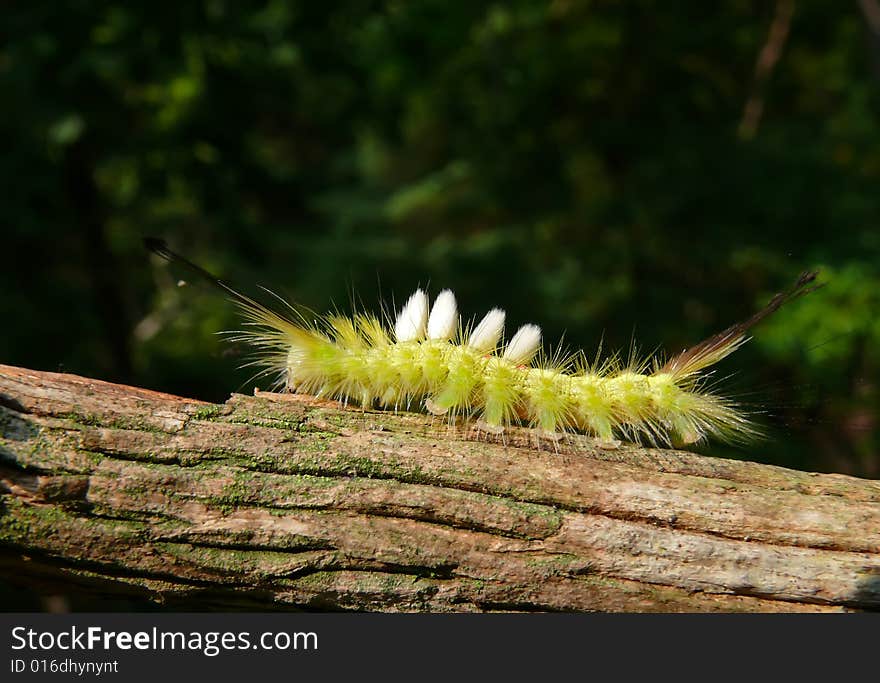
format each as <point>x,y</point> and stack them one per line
<point>578,163</point>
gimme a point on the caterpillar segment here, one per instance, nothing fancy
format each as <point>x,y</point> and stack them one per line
<point>427,360</point>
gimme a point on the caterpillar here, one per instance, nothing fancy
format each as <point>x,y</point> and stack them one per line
<point>426,358</point>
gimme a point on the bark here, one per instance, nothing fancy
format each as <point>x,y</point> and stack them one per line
<point>273,501</point>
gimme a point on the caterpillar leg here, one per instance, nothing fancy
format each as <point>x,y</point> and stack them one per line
<point>482,426</point>
<point>608,444</point>
<point>435,408</point>
<point>552,436</point>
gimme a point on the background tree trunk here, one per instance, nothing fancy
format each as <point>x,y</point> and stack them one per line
<point>287,501</point>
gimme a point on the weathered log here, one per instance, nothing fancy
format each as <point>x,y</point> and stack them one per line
<point>275,501</point>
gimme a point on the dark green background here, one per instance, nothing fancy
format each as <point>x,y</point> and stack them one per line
<point>581,164</point>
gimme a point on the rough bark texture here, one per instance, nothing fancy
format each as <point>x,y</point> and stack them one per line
<point>284,501</point>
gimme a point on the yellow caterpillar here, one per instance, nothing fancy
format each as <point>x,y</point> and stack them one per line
<point>426,359</point>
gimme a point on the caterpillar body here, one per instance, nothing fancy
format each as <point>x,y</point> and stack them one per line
<point>425,358</point>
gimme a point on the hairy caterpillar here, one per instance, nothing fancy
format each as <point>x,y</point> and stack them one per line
<point>425,358</point>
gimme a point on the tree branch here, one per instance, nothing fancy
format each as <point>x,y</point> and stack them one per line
<point>287,501</point>
<point>767,59</point>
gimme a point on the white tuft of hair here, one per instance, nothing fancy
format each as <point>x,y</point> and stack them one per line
<point>413,318</point>
<point>443,321</point>
<point>486,334</point>
<point>524,345</point>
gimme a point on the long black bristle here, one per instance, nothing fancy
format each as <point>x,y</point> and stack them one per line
<point>160,248</point>
<point>804,285</point>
